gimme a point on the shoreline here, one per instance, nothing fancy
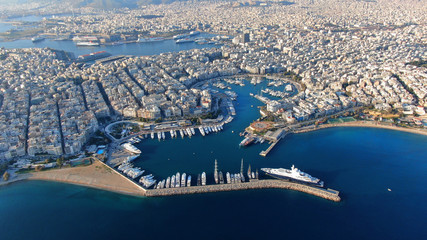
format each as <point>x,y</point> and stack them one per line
<point>366,124</point>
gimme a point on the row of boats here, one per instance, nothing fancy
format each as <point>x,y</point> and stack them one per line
<point>275,93</point>
<point>176,181</point>
<point>188,132</point>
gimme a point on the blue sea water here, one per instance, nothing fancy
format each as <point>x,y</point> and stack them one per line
<point>137,49</point>
<point>361,163</point>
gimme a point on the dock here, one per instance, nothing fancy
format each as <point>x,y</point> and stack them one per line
<point>328,194</point>
<point>265,152</point>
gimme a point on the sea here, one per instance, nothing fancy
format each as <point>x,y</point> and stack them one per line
<point>381,176</point>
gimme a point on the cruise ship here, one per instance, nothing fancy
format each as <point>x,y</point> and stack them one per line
<point>131,148</point>
<point>293,174</point>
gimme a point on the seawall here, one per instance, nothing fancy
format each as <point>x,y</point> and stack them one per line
<point>258,184</point>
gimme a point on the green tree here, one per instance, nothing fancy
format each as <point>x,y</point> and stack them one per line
<point>6,176</point>
<point>60,161</point>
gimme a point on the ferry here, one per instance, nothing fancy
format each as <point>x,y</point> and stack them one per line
<point>180,36</point>
<point>194,33</point>
<point>131,148</point>
<point>37,39</point>
<point>184,40</point>
<point>293,174</point>
<point>87,44</point>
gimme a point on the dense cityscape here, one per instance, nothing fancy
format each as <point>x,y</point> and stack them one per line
<point>355,58</point>
<point>111,110</point>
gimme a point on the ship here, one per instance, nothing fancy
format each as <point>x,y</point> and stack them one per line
<point>247,141</point>
<point>203,179</point>
<point>180,36</point>
<point>131,148</point>
<point>184,40</point>
<point>37,39</point>
<point>194,33</point>
<point>87,44</point>
<point>293,174</point>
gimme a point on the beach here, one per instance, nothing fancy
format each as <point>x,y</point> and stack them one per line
<point>97,175</point>
<point>369,124</point>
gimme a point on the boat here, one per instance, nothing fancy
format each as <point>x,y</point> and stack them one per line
<point>199,180</point>
<point>203,179</point>
<point>181,133</point>
<point>192,131</point>
<point>159,136</point>
<point>163,136</point>
<point>227,175</point>
<point>87,44</point>
<point>202,131</point>
<point>37,39</point>
<point>131,148</point>
<point>183,179</point>
<point>173,183</point>
<point>216,172</point>
<point>189,181</point>
<point>178,180</point>
<point>152,135</point>
<point>247,141</point>
<point>168,182</point>
<point>293,174</point>
<point>221,178</point>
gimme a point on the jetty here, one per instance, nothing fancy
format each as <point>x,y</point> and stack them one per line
<point>328,194</point>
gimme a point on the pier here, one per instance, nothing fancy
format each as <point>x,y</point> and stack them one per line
<point>265,152</point>
<point>328,194</point>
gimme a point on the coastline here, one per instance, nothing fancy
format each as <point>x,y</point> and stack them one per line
<point>367,124</point>
<point>96,175</point>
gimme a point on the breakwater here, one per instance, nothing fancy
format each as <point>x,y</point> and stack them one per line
<point>328,194</point>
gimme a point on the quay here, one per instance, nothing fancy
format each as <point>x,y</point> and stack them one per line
<point>328,194</point>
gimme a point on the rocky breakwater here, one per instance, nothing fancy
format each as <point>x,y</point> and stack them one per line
<point>257,184</point>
